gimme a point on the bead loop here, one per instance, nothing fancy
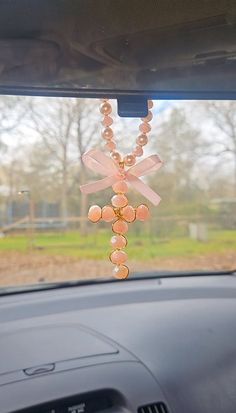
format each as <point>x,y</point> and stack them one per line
<point>120,212</point>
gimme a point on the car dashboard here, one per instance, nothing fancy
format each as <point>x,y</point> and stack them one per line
<point>164,345</point>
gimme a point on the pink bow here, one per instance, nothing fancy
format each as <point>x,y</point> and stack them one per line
<point>98,162</point>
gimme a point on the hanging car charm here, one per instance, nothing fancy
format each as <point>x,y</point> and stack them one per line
<point>119,173</point>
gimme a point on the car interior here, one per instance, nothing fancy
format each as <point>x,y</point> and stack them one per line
<point>162,340</point>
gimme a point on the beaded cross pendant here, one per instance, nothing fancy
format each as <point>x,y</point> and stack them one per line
<point>118,174</point>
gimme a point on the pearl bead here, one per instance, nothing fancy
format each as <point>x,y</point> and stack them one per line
<point>107,121</point>
<point>118,241</point>
<point>108,213</point>
<point>129,160</point>
<point>148,118</point>
<point>145,127</point>
<point>150,104</point>
<point>142,140</point>
<point>106,108</point>
<point>116,157</point>
<point>94,213</point>
<point>110,146</point>
<point>119,201</point>
<point>120,227</point>
<point>120,187</point>
<point>121,272</point>
<point>128,213</point>
<point>138,151</point>
<point>142,213</point>
<point>107,133</point>
<point>118,257</point>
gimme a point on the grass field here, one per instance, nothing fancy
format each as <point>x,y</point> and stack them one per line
<point>96,246</point>
<point>65,256</point>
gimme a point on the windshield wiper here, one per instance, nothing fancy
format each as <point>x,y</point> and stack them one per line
<point>134,277</point>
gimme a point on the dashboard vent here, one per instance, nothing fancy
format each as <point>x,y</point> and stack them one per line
<point>153,408</point>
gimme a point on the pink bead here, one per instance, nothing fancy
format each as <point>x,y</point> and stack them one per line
<point>145,127</point>
<point>148,118</point>
<point>120,187</point>
<point>107,121</point>
<point>107,133</point>
<point>105,108</point>
<point>129,160</point>
<point>108,213</point>
<point>94,213</point>
<point>150,104</point>
<point>142,140</point>
<point>142,213</point>
<point>118,257</point>
<point>138,151</point>
<point>116,157</point>
<point>110,146</point>
<point>118,241</point>
<point>119,201</point>
<point>121,272</point>
<point>128,213</point>
<point>120,227</point>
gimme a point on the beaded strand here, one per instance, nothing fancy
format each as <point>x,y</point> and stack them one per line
<point>120,212</point>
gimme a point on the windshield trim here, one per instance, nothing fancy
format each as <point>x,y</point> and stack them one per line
<point>142,276</point>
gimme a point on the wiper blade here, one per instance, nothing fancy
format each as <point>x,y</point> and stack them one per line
<point>134,277</point>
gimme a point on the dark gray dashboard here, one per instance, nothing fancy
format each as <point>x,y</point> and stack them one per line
<point>134,344</point>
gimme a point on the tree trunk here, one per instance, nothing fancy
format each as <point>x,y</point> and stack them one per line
<point>9,211</point>
<point>84,204</point>
<point>235,174</point>
<point>64,194</point>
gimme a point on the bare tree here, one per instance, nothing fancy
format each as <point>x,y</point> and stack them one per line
<point>12,111</point>
<point>223,117</point>
<point>12,115</point>
<point>179,144</point>
<point>67,128</point>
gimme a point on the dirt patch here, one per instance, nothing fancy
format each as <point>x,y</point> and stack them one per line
<point>18,268</point>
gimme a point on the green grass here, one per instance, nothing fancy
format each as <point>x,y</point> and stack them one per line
<point>141,247</point>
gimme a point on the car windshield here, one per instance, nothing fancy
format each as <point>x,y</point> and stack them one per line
<point>44,230</point>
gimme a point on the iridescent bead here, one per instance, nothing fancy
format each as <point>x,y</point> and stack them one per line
<point>118,257</point>
<point>94,213</point>
<point>120,227</point>
<point>142,140</point>
<point>108,213</point>
<point>118,241</point>
<point>110,146</point>
<point>129,160</point>
<point>105,108</point>
<point>148,118</point>
<point>142,213</point>
<point>121,272</point>
<point>145,127</point>
<point>107,121</point>
<point>107,133</point>
<point>120,187</point>
<point>138,151</point>
<point>116,156</point>
<point>150,104</point>
<point>119,201</point>
<point>128,213</point>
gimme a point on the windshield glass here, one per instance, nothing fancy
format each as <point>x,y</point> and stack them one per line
<point>44,230</point>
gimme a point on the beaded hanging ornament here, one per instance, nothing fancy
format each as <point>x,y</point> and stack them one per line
<point>120,173</point>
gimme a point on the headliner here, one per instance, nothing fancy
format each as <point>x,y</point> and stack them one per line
<point>157,48</point>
